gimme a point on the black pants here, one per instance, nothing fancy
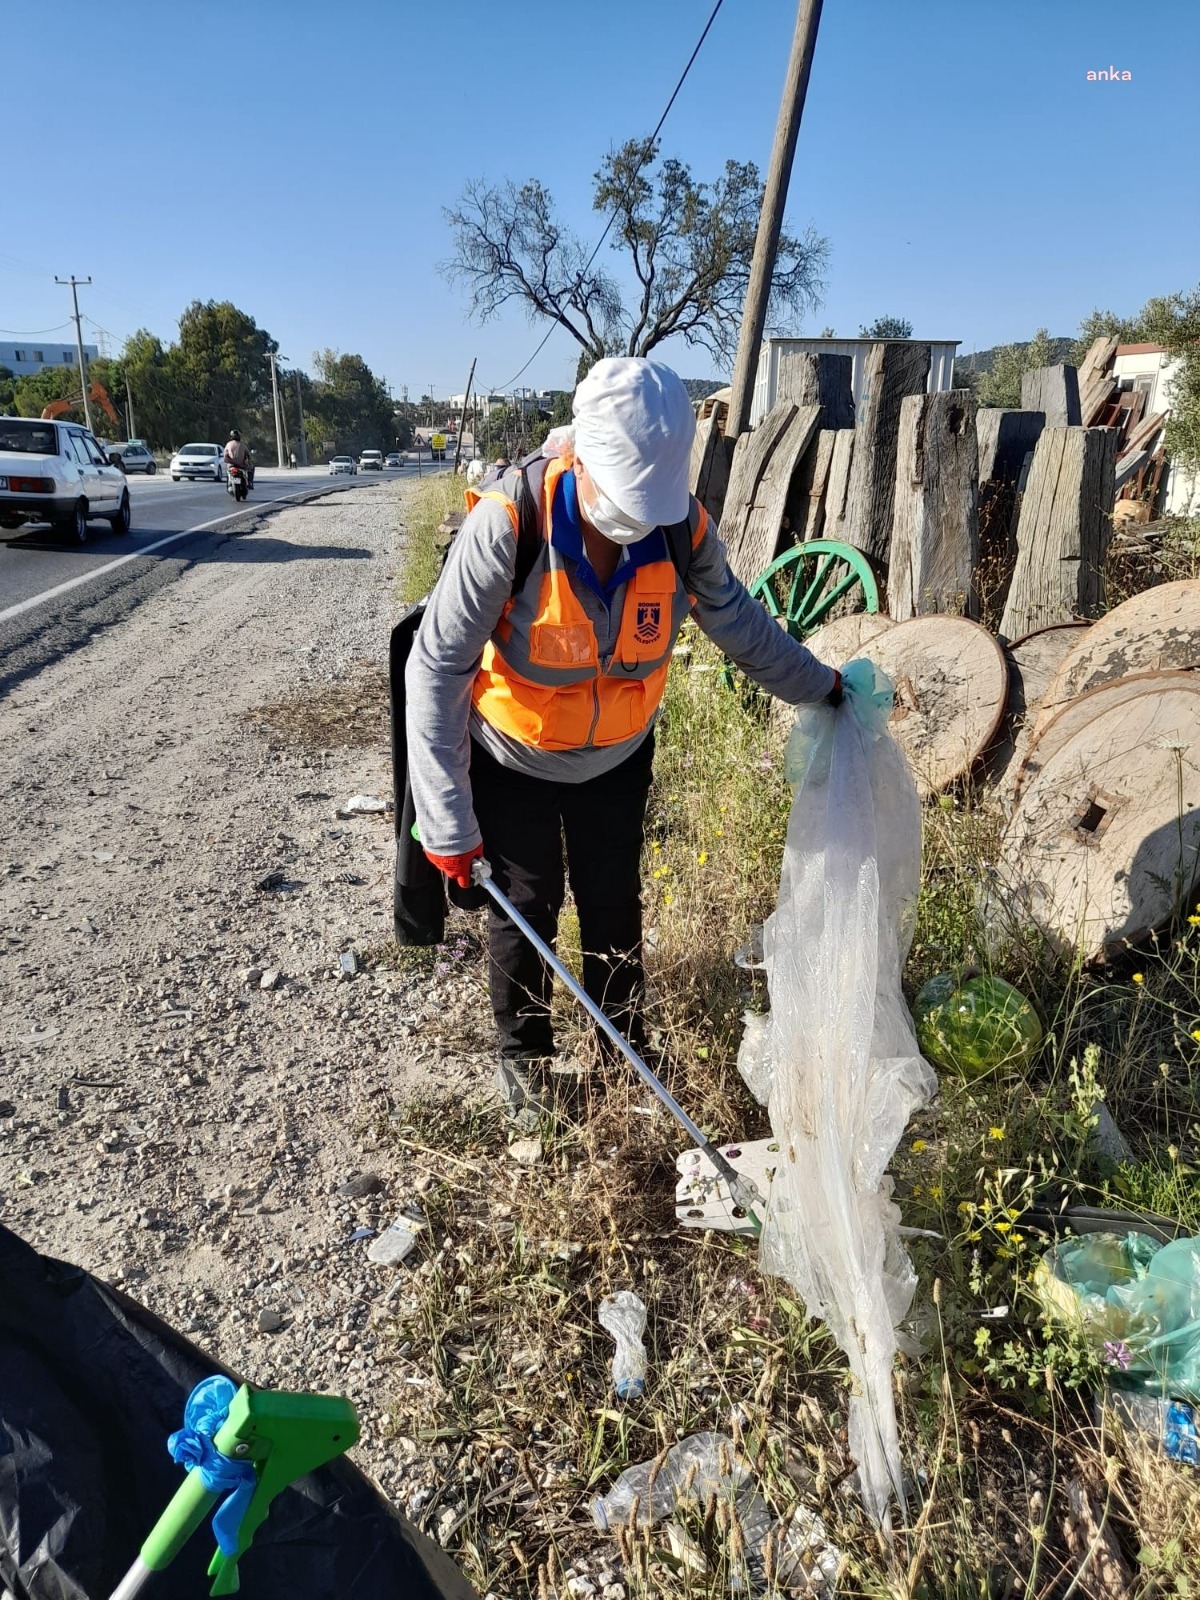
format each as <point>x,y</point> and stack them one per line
<point>524,822</point>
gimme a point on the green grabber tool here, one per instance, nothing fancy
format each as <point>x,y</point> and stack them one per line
<point>283,1436</point>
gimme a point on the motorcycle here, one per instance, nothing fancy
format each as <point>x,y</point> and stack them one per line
<point>237,483</point>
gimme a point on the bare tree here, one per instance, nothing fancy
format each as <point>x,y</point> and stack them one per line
<point>688,248</point>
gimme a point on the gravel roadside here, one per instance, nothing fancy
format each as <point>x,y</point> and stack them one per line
<point>187,1073</point>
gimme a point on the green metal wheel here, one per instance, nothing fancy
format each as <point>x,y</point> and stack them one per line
<point>805,585</point>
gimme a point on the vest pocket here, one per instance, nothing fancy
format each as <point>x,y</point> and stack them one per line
<point>562,644</point>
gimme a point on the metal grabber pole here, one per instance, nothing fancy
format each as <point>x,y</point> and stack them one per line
<point>743,1190</point>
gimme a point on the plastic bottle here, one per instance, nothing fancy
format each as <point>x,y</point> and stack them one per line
<point>624,1316</point>
<point>700,1465</point>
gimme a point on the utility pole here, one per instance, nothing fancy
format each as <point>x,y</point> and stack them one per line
<point>462,420</point>
<point>770,221</point>
<point>278,419</point>
<point>83,382</point>
<point>129,405</point>
<point>431,405</point>
<point>300,409</point>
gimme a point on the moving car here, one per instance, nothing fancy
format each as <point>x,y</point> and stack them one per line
<point>342,464</point>
<point>371,461</point>
<point>392,459</point>
<point>57,472</point>
<point>132,456</point>
<point>198,461</point>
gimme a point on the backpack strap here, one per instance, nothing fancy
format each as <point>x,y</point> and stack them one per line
<point>524,484</point>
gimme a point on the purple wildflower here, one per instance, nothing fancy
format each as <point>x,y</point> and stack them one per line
<point>1116,1353</point>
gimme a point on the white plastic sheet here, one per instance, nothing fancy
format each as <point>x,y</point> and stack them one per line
<point>841,1060</point>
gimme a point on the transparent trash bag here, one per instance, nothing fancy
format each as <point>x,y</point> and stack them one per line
<point>1137,1302</point>
<point>624,1316</point>
<point>841,1063</point>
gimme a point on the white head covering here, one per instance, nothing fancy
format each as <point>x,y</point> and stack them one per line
<point>634,427</point>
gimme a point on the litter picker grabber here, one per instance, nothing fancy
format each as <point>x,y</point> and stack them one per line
<point>242,1448</point>
<point>743,1190</point>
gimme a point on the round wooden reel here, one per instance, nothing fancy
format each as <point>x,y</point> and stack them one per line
<point>1102,848</point>
<point>847,637</point>
<point>1158,629</point>
<point>951,682</point>
<point>1032,662</point>
<point>1076,716</point>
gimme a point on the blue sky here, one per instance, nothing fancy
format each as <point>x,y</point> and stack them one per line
<point>967,174</point>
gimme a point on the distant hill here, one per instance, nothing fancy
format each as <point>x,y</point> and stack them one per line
<point>984,360</point>
<point>701,388</point>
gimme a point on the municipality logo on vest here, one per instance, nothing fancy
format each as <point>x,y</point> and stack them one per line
<point>648,625</point>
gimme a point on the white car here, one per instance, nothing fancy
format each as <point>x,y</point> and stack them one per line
<point>132,456</point>
<point>57,472</point>
<point>371,461</point>
<point>342,464</point>
<point>393,459</point>
<point>198,461</point>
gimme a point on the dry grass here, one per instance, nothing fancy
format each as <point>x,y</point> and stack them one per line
<point>351,714</point>
<point>1017,1492</point>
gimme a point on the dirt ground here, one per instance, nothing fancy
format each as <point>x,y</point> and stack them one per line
<point>171,844</point>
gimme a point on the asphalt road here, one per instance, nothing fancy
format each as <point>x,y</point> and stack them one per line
<point>55,593</point>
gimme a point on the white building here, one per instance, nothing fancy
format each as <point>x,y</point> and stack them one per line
<point>1153,370</point>
<point>32,355</point>
<point>766,384</point>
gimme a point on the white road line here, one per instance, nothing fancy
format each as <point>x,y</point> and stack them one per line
<point>135,555</point>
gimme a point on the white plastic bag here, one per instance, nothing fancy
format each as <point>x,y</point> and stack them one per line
<point>624,1316</point>
<point>843,1066</point>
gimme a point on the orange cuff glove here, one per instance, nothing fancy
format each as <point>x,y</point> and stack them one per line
<point>457,868</point>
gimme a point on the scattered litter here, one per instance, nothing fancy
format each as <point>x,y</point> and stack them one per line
<point>361,1233</point>
<point>972,1023</point>
<point>270,978</point>
<point>624,1316</point>
<point>40,1035</point>
<point>395,1242</point>
<point>348,963</point>
<point>705,1465</point>
<point>102,856</point>
<point>275,879</point>
<point>526,1152</point>
<point>1164,1425</point>
<point>362,805</point>
<point>360,1186</point>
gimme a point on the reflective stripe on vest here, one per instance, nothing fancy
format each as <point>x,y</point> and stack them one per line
<point>541,679</point>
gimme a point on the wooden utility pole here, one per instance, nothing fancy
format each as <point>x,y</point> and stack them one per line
<point>770,221</point>
<point>462,420</point>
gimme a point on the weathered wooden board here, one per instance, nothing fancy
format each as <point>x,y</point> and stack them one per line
<point>1099,358</point>
<point>837,490</point>
<point>1159,628</point>
<point>750,457</point>
<point>710,463</point>
<point>754,545</point>
<point>893,371</point>
<point>951,683</point>
<point>1054,390</point>
<point>819,380</point>
<point>934,553</point>
<point>1005,437</point>
<point>1095,399</point>
<point>1063,529</point>
<point>1076,715</point>
<point>1032,663</point>
<point>847,637</point>
<point>807,503</point>
<point>1099,851</point>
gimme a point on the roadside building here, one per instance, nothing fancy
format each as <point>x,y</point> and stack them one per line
<point>28,357</point>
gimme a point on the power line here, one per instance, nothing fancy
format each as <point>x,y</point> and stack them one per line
<point>628,187</point>
<point>33,333</point>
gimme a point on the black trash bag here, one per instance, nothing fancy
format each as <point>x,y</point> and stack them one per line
<point>91,1384</point>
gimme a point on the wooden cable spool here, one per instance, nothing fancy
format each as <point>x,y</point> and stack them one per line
<point>846,637</point>
<point>1102,848</point>
<point>951,683</point>
<point>1032,662</point>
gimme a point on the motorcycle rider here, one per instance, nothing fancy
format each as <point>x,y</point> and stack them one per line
<point>236,455</point>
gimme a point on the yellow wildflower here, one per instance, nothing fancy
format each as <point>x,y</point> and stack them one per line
<point>657,873</point>
<point>668,899</point>
<point>1194,921</point>
<point>702,857</point>
<point>995,1133</point>
<point>1195,1035</point>
<point>935,1192</point>
<point>1004,1227</point>
<point>918,1145</point>
<point>1139,977</point>
<point>720,833</point>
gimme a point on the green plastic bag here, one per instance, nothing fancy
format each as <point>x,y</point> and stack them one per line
<point>1137,1303</point>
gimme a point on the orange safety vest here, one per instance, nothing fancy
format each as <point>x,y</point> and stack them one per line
<point>541,679</point>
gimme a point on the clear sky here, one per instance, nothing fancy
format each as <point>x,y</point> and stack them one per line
<point>967,174</point>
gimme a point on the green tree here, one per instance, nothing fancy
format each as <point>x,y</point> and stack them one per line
<point>350,404</point>
<point>686,249</point>
<point>887,328</point>
<point>221,369</point>
<point>158,405</point>
<point>1002,385</point>
<point>7,389</point>
<point>1173,321</point>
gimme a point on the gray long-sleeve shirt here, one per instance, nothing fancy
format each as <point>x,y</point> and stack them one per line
<point>463,611</point>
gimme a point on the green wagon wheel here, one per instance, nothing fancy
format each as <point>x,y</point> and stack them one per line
<point>804,585</point>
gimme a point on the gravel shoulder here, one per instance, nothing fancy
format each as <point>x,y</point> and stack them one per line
<point>171,844</point>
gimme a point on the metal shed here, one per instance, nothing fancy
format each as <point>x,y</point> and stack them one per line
<point>766,384</point>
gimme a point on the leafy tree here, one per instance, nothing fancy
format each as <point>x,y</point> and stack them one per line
<point>1173,321</point>
<point>158,403</point>
<point>350,404</point>
<point>33,391</point>
<point>221,368</point>
<point>7,389</point>
<point>1002,385</point>
<point>887,328</point>
<point>687,248</point>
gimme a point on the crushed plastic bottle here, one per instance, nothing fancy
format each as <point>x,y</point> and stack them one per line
<point>704,1465</point>
<point>624,1316</point>
<point>1166,1425</point>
